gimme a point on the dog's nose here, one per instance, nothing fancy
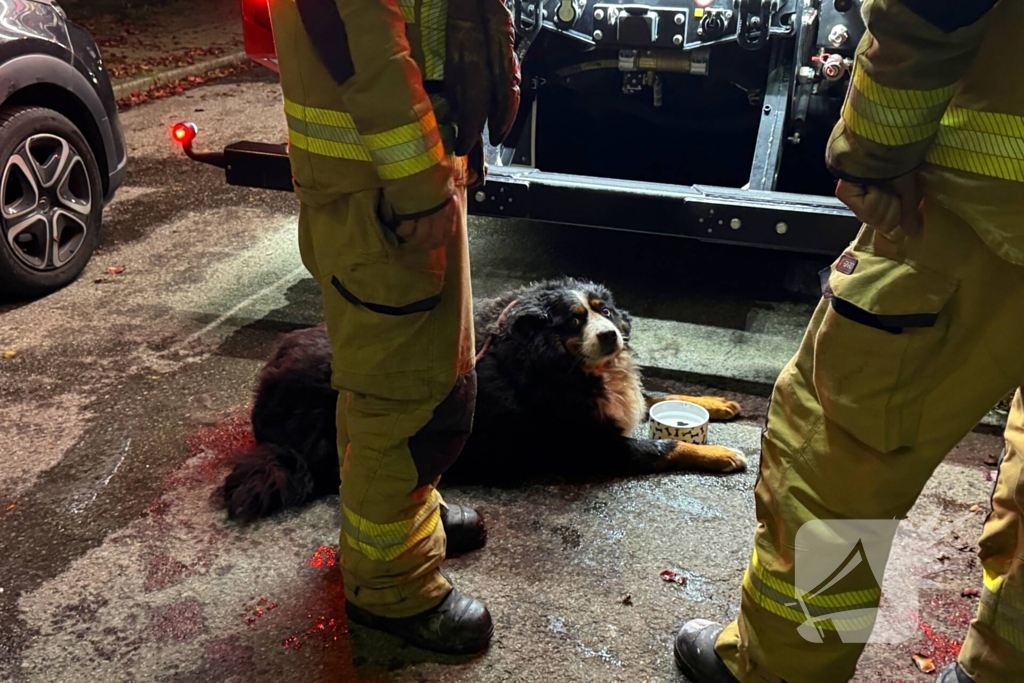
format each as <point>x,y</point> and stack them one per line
<point>609,341</point>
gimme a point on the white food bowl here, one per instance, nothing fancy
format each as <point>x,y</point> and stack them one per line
<point>679,420</point>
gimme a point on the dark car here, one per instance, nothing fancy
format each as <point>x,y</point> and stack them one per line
<point>62,150</point>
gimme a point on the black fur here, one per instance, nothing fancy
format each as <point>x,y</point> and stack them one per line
<point>538,407</point>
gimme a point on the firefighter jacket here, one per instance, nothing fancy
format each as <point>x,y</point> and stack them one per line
<point>934,88</point>
<point>360,117</point>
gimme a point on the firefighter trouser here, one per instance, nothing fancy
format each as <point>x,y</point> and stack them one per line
<point>401,331</point>
<point>912,343</point>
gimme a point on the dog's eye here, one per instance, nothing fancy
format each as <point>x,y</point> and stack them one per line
<point>576,322</point>
<point>606,313</point>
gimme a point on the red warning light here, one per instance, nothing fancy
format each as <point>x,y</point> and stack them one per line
<point>184,133</point>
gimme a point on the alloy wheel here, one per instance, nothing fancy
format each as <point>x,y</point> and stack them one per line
<point>45,202</point>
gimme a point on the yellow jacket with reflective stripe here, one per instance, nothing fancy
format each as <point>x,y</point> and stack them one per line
<point>936,87</point>
<point>379,129</point>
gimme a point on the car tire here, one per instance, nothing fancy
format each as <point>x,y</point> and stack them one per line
<point>51,201</point>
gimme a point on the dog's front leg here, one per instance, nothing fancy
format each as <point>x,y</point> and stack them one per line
<point>646,456</point>
<point>718,408</point>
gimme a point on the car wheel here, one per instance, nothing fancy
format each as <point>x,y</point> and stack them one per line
<point>51,201</point>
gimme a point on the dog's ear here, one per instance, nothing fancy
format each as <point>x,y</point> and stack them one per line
<point>527,318</point>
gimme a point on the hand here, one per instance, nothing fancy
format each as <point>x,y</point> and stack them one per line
<point>896,204</point>
<point>433,231</point>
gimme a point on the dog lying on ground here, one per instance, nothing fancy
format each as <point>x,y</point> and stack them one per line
<point>558,395</point>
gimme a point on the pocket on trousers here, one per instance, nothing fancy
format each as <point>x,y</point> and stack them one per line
<point>876,345</point>
<point>383,296</point>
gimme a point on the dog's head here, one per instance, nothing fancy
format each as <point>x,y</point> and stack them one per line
<point>575,319</point>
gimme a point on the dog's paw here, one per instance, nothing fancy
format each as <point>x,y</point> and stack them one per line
<point>686,456</point>
<point>720,408</point>
<point>729,459</point>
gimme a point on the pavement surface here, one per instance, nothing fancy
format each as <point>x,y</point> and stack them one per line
<point>127,395</point>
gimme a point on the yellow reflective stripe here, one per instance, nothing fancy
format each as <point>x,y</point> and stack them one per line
<point>881,133</point>
<point>384,542</point>
<point>832,623</point>
<point>424,129</point>
<point>397,153</point>
<point>890,116</point>
<point>984,122</point>
<point>993,581</point>
<point>896,98</point>
<point>325,117</point>
<point>980,142</point>
<point>408,8</point>
<point>406,150</point>
<point>408,167</point>
<point>854,610</point>
<point>923,120</point>
<point>390,553</point>
<point>328,148</point>
<point>432,37</point>
<point>848,599</point>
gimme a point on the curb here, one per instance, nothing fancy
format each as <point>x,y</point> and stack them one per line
<point>144,83</point>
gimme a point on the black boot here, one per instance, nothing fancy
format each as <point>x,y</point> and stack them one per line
<point>953,674</point>
<point>695,653</point>
<point>460,625</point>
<point>464,529</point>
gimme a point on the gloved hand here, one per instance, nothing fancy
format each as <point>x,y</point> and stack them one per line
<point>504,66</point>
<point>895,204</point>
<point>481,72</point>
<point>467,77</point>
<point>433,231</point>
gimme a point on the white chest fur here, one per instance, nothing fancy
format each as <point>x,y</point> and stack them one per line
<point>623,400</point>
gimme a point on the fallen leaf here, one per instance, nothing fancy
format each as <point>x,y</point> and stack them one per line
<point>975,508</point>
<point>925,664</point>
<point>970,592</point>
<point>115,270</point>
<point>10,354</point>
<point>672,577</point>
<point>627,600</point>
<point>11,506</point>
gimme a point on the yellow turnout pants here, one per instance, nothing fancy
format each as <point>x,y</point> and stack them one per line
<point>914,340</point>
<point>401,331</point>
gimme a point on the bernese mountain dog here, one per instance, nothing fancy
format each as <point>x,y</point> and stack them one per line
<point>559,395</point>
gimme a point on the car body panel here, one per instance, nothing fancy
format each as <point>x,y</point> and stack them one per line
<point>39,46</point>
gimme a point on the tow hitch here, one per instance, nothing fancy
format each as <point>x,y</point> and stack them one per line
<point>245,163</point>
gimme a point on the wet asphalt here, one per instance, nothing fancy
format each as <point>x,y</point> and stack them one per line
<point>127,395</point>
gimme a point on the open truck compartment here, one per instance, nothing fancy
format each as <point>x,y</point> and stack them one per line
<point>705,119</point>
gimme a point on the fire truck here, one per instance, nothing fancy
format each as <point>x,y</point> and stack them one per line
<point>705,119</point>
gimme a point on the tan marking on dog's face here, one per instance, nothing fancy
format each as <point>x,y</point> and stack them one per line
<point>594,325</point>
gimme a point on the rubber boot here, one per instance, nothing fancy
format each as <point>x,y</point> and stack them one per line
<point>460,625</point>
<point>953,674</point>
<point>464,529</point>
<point>695,653</point>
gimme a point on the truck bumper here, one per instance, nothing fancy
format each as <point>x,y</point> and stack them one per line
<point>775,220</point>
